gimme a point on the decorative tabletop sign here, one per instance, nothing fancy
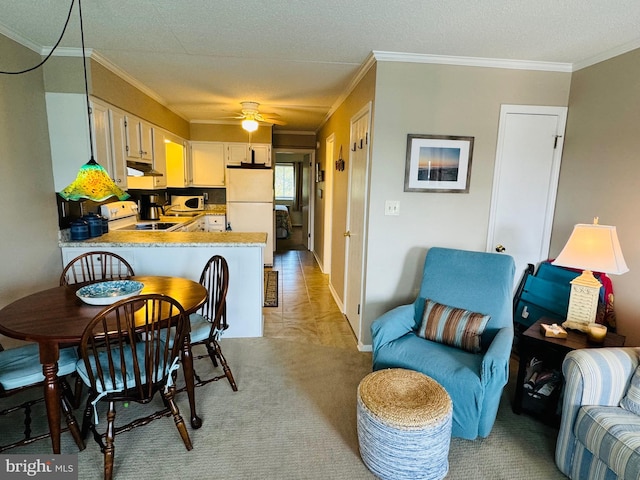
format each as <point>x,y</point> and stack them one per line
<point>438,163</point>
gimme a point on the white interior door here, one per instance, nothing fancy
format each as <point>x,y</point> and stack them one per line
<point>528,156</point>
<point>354,234</point>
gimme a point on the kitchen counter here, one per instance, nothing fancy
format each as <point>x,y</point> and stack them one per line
<point>168,239</point>
<point>184,254</point>
<point>208,210</point>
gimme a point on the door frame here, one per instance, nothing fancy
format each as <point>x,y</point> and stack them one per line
<point>366,110</point>
<point>311,186</point>
<point>508,109</point>
<point>330,143</point>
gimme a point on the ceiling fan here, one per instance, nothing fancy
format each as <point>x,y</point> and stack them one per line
<point>250,116</point>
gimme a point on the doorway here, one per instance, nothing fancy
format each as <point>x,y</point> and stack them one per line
<point>293,199</point>
<point>528,156</point>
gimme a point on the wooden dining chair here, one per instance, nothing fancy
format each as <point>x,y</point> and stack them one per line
<point>208,323</point>
<point>20,369</point>
<point>95,266</point>
<point>127,356</point>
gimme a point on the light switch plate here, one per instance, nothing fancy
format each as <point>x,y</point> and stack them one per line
<point>392,207</point>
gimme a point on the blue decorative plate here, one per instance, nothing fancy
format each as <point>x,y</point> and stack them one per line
<point>106,293</point>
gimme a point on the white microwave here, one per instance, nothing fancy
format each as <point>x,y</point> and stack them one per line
<point>186,203</point>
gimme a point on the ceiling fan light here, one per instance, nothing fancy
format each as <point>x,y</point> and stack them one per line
<point>250,125</point>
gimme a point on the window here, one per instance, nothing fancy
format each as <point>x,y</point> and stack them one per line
<point>285,183</point>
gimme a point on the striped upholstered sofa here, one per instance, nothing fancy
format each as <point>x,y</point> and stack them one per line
<point>598,438</point>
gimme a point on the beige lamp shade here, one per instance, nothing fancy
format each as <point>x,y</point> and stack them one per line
<point>593,247</point>
<point>93,183</point>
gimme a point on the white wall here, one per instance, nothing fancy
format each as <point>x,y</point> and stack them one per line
<point>446,100</point>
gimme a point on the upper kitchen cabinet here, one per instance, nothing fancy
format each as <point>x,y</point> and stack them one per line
<point>139,136</point>
<point>177,164</point>
<point>238,153</point>
<point>119,141</point>
<point>69,135</point>
<point>260,153</point>
<point>159,165</point>
<point>207,164</point>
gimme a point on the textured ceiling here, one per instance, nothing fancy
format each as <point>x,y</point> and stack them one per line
<point>202,58</point>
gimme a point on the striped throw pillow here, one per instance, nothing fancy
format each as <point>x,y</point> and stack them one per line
<point>631,401</point>
<point>452,326</point>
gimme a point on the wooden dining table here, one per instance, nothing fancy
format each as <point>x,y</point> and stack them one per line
<point>56,318</point>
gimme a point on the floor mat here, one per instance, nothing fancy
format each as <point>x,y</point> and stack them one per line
<point>271,288</point>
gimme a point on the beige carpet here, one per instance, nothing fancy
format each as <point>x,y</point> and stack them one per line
<point>294,417</point>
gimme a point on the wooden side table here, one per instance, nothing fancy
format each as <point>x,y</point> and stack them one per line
<point>552,351</point>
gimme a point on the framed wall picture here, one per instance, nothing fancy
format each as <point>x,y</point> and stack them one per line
<point>438,163</point>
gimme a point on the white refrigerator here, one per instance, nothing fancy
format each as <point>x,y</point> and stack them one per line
<point>250,204</point>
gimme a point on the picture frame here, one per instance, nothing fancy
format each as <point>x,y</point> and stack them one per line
<point>438,163</point>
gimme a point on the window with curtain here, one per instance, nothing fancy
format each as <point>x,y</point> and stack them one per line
<point>285,181</point>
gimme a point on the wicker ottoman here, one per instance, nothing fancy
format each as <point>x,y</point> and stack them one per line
<point>404,425</point>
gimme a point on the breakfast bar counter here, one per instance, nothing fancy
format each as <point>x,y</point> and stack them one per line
<point>184,254</point>
<point>169,239</point>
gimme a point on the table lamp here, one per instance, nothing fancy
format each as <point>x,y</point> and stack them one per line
<point>591,248</point>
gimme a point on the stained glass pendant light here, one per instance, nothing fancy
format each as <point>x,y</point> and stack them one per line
<point>93,181</point>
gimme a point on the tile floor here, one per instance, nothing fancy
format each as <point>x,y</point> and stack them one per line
<point>306,310</point>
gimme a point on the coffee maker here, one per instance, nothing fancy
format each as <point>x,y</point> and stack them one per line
<point>151,207</point>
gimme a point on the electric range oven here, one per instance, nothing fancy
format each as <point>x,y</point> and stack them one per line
<point>124,216</point>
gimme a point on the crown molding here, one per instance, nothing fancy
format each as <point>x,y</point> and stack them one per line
<point>16,37</point>
<point>606,55</point>
<point>90,53</point>
<point>472,61</point>
<point>67,52</point>
<point>106,63</point>
<point>293,132</point>
<point>227,122</point>
<point>362,70</point>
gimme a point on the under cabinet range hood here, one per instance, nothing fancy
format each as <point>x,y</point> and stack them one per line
<point>139,169</point>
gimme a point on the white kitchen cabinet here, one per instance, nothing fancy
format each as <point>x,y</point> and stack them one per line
<point>214,223</point>
<point>207,164</point>
<point>139,135</point>
<point>159,165</point>
<point>69,135</point>
<point>177,164</point>
<point>102,144</point>
<point>197,225</point>
<point>238,153</point>
<point>119,147</point>
<point>262,153</point>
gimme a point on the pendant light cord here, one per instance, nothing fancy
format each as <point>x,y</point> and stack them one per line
<point>64,29</point>
<point>86,83</point>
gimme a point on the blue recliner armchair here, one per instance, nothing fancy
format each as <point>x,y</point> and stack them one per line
<point>475,281</point>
